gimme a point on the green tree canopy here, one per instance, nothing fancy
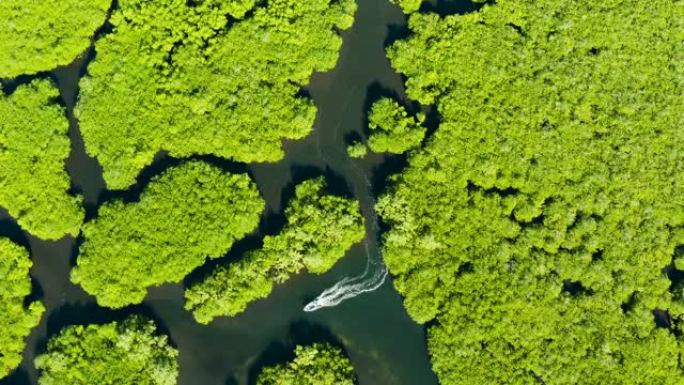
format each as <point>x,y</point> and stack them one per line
<point>320,364</point>
<point>535,226</point>
<point>190,213</point>
<point>357,150</point>
<point>205,77</point>
<point>34,147</point>
<point>118,353</point>
<point>320,230</point>
<point>17,318</point>
<point>40,35</point>
<point>392,130</point>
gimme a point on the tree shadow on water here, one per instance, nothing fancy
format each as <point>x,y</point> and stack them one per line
<point>397,32</point>
<point>276,353</point>
<point>9,86</point>
<point>90,313</point>
<point>37,293</point>
<point>302,333</point>
<point>73,257</point>
<point>452,7</point>
<point>376,91</point>
<point>336,183</point>
<point>307,333</point>
<point>18,377</point>
<point>391,164</point>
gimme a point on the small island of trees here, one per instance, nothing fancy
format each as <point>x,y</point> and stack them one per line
<point>190,213</point>
<point>392,129</point>
<point>128,352</point>
<point>34,147</point>
<point>320,364</point>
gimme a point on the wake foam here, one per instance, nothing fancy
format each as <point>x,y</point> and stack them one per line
<point>375,273</point>
<point>371,279</point>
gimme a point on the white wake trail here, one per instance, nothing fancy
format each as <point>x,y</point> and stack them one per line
<point>376,272</point>
<point>371,279</point>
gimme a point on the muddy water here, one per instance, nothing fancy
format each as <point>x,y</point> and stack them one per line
<point>385,346</point>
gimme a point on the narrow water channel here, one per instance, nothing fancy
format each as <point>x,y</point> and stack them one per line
<point>385,346</point>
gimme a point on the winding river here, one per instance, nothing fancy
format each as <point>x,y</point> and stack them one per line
<point>386,347</point>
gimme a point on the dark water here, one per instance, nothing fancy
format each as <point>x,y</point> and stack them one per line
<point>385,346</point>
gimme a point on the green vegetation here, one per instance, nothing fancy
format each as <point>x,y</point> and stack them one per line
<point>535,226</point>
<point>125,353</point>
<point>191,213</point>
<point>357,150</point>
<point>34,147</point>
<point>320,364</point>
<point>408,5</point>
<point>392,130</point>
<point>40,35</point>
<point>205,77</point>
<point>320,230</point>
<point>17,318</point>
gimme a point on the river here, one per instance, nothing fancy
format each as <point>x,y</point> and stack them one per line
<point>385,346</point>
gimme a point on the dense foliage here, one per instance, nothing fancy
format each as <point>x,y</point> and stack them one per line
<point>191,213</point>
<point>17,318</point>
<point>320,230</point>
<point>39,35</point>
<point>392,130</point>
<point>205,77</point>
<point>34,147</point>
<point>118,353</point>
<point>320,364</point>
<point>536,226</point>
